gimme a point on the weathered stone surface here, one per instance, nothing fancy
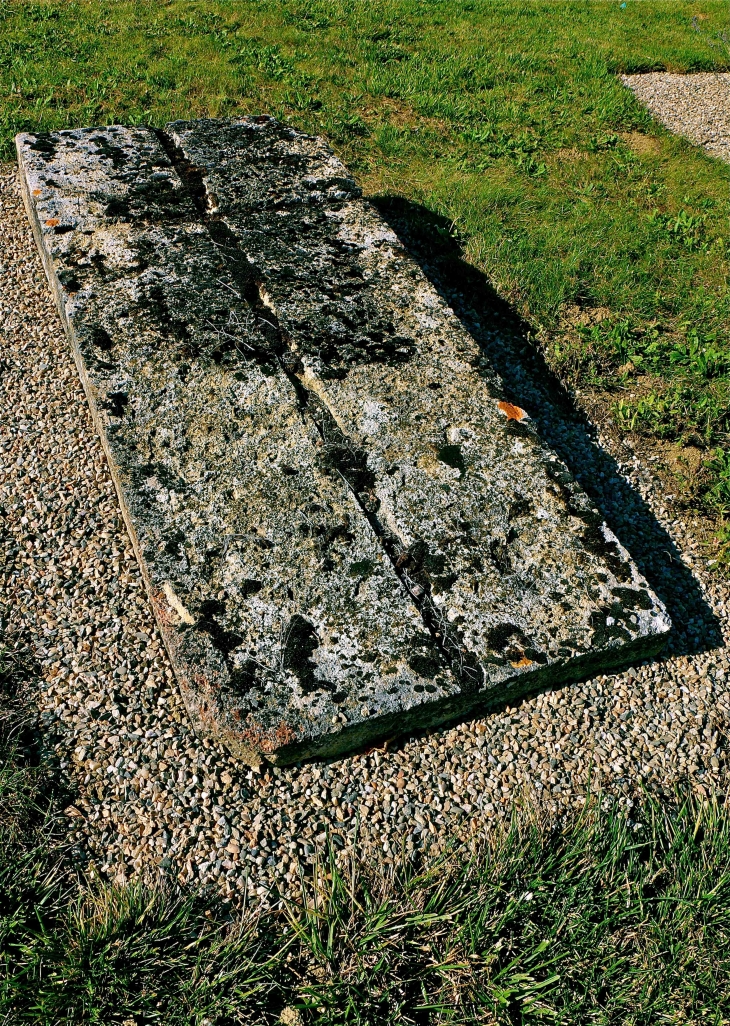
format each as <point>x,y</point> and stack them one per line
<point>345,530</point>
<point>277,603</point>
<point>512,566</point>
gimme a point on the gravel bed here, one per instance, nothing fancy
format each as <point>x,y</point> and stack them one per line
<point>152,798</point>
<point>696,106</point>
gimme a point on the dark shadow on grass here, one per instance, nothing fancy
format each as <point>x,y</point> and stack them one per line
<point>504,338</point>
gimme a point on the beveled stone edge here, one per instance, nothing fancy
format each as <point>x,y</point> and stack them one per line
<point>158,611</point>
<point>431,715</point>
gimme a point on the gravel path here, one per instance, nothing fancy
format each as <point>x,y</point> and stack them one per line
<point>153,798</point>
<point>695,106</point>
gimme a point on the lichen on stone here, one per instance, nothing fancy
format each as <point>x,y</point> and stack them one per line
<point>346,530</point>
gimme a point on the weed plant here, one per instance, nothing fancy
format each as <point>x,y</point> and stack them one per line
<point>615,914</point>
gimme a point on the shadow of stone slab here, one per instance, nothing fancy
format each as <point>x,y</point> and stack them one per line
<point>346,528</point>
<point>506,343</point>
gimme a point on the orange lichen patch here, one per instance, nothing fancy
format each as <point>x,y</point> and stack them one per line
<point>267,740</point>
<point>511,411</point>
<point>38,192</point>
<point>161,609</point>
<point>52,222</point>
<point>284,734</point>
<point>524,661</point>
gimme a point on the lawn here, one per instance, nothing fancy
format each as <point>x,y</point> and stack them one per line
<point>506,119</point>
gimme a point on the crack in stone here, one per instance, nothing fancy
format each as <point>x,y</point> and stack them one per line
<point>338,520</point>
<point>413,563</point>
<point>240,269</point>
<point>339,453</point>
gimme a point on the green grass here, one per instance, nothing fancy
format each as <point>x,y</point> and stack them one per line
<point>609,917</point>
<point>506,117</point>
<point>611,238</point>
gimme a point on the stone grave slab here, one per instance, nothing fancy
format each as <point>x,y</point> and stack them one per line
<point>347,531</point>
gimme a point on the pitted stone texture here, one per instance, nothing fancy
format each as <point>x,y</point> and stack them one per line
<point>288,628</point>
<point>513,567</point>
<point>345,530</point>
